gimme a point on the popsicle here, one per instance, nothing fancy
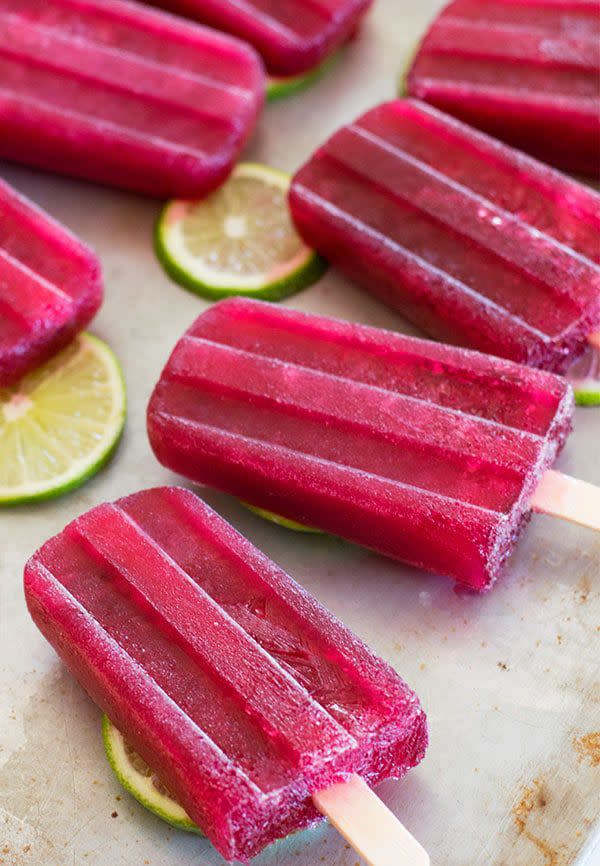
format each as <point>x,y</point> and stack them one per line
<point>526,71</point>
<point>50,286</point>
<point>292,36</point>
<point>257,708</point>
<point>473,241</point>
<point>124,95</point>
<point>426,453</point>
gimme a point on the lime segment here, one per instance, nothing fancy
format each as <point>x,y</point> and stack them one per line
<point>238,241</point>
<point>584,376</point>
<point>281,521</point>
<point>138,779</point>
<point>278,87</point>
<point>60,423</point>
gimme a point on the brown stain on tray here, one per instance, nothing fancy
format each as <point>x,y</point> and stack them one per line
<point>587,748</point>
<point>534,798</point>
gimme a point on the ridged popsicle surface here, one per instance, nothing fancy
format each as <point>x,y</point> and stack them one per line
<point>50,286</point>
<point>234,684</point>
<point>124,95</point>
<point>473,241</point>
<point>424,452</point>
<point>525,71</point>
<point>292,36</point>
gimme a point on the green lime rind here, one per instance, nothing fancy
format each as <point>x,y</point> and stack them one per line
<point>140,786</point>
<point>405,71</point>
<point>281,521</point>
<point>284,86</point>
<point>587,392</point>
<point>308,271</point>
<point>109,445</point>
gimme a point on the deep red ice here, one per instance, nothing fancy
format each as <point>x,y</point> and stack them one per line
<point>232,682</point>
<point>424,452</point>
<point>293,36</point>
<point>526,71</point>
<point>121,94</point>
<point>474,242</point>
<point>50,286</point>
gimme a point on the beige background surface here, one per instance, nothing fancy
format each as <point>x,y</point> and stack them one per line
<point>509,680</point>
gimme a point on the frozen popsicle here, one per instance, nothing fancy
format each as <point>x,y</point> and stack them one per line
<point>473,241</point>
<point>526,71</point>
<point>121,94</point>
<point>427,453</point>
<point>50,286</point>
<point>257,708</point>
<point>293,36</point>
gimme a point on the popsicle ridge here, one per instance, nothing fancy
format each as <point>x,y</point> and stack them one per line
<point>251,404</point>
<point>50,286</point>
<point>231,682</point>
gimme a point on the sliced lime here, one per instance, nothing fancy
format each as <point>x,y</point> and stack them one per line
<point>282,521</point>
<point>60,423</point>
<point>238,241</point>
<point>278,87</point>
<point>584,376</point>
<point>140,781</point>
<point>406,69</point>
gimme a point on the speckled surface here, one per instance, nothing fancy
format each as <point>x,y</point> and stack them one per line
<point>510,680</point>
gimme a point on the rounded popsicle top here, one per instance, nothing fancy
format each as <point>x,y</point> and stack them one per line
<point>292,36</point>
<point>50,286</point>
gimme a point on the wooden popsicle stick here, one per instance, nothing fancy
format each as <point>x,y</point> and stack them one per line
<point>569,498</point>
<point>594,339</point>
<point>368,825</point>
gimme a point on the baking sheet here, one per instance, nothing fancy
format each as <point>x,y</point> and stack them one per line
<point>509,680</point>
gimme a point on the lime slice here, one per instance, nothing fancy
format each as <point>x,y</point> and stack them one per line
<point>282,521</point>
<point>240,240</point>
<point>584,376</point>
<point>60,423</point>
<point>405,71</point>
<point>278,87</point>
<point>137,778</point>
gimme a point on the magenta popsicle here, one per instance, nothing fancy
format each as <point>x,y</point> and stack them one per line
<point>473,241</point>
<point>50,286</point>
<point>426,453</point>
<point>121,94</point>
<point>243,693</point>
<point>525,71</point>
<point>293,36</point>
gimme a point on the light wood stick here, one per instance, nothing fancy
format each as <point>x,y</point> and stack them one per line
<point>594,340</point>
<point>569,498</point>
<point>368,825</point>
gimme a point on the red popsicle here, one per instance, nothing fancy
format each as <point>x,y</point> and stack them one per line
<point>526,71</point>
<point>293,36</point>
<point>426,453</point>
<point>50,286</point>
<point>473,241</point>
<point>245,695</point>
<point>121,94</point>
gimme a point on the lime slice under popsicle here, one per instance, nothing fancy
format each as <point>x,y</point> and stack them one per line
<point>140,781</point>
<point>240,240</point>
